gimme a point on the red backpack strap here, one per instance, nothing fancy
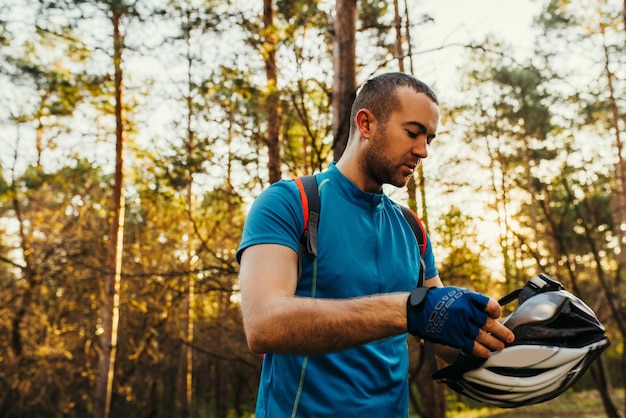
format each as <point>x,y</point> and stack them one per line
<point>305,203</point>
<point>420,234</point>
<point>309,195</point>
<point>417,226</point>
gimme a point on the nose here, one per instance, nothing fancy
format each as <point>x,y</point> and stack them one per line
<point>420,147</point>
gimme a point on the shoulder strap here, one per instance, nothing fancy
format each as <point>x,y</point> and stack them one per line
<point>420,234</point>
<point>311,207</point>
<point>416,225</point>
<point>309,194</point>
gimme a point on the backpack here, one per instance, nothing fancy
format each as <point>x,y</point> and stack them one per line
<point>309,195</point>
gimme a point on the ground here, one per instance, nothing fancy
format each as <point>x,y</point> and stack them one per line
<point>568,405</point>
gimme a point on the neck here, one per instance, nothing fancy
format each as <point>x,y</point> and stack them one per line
<point>352,167</point>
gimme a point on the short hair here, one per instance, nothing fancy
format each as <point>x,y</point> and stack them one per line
<point>379,95</point>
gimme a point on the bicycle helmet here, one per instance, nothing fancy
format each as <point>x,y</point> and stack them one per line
<point>557,337</point>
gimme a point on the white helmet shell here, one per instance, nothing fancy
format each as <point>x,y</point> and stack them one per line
<point>557,339</point>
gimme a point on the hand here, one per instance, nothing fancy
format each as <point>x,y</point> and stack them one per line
<point>493,335</point>
<point>457,317</point>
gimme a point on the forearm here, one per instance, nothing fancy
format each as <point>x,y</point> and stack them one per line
<point>297,325</point>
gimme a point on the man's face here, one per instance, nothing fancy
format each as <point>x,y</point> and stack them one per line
<point>395,150</point>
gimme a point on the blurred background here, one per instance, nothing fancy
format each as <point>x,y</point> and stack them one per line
<point>135,134</point>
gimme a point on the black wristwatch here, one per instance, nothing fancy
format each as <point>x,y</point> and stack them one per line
<point>417,297</point>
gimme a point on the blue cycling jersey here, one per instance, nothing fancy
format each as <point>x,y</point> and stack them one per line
<point>365,246</point>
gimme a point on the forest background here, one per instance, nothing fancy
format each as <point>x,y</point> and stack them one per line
<point>135,134</point>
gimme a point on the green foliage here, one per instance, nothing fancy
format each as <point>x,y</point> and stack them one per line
<point>4,185</point>
<point>372,12</point>
<point>54,285</point>
<point>300,13</point>
<point>60,89</point>
<point>462,266</point>
<point>524,99</point>
<point>307,128</point>
<point>554,17</point>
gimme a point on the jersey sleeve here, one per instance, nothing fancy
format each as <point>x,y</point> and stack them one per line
<point>275,217</point>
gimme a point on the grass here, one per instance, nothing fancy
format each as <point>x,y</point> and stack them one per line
<point>568,405</point>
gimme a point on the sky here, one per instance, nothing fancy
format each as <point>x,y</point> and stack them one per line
<point>461,18</point>
<point>458,22</point>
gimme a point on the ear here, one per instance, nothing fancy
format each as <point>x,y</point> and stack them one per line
<point>365,121</point>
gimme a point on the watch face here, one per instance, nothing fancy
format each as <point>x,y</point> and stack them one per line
<point>417,297</point>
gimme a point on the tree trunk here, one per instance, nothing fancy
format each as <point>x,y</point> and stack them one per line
<point>603,384</point>
<point>619,215</point>
<point>620,175</point>
<point>433,394</point>
<point>344,65</point>
<point>397,23</point>
<point>600,375</point>
<point>112,279</point>
<point>399,55</point>
<point>274,119</point>
<point>184,377</point>
<point>420,183</point>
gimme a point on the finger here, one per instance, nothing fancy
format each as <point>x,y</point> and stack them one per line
<point>480,350</point>
<point>491,342</point>
<point>498,331</point>
<point>493,308</point>
<point>485,344</point>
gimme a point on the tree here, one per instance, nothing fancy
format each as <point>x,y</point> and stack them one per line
<point>462,264</point>
<point>599,107</point>
<point>53,288</point>
<point>528,133</point>
<point>432,396</point>
<point>564,214</point>
<point>274,119</point>
<point>344,70</point>
<point>112,278</point>
<point>192,159</point>
<point>510,126</point>
<point>49,71</point>
<point>115,12</point>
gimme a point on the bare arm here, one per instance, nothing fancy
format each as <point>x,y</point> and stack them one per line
<point>277,321</point>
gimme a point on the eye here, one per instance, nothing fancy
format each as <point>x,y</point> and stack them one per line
<point>412,135</point>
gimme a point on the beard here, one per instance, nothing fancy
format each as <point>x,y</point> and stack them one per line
<point>380,166</point>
